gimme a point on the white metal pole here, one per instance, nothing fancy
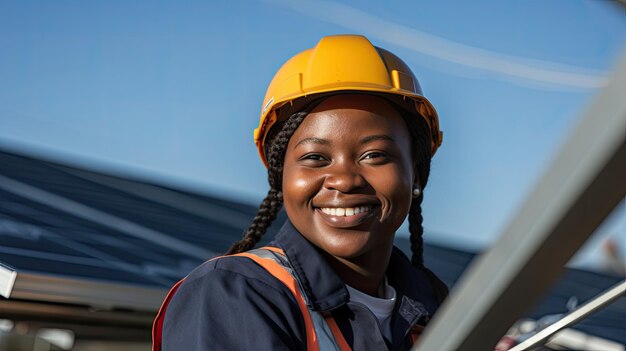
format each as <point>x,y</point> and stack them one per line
<point>590,307</point>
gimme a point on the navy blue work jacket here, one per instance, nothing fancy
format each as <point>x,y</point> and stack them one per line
<point>233,304</point>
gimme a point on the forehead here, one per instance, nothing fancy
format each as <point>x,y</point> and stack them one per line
<point>352,114</point>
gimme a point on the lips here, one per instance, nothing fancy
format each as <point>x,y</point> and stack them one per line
<point>345,211</point>
<point>347,217</point>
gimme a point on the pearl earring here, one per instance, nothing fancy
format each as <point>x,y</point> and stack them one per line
<point>417,191</point>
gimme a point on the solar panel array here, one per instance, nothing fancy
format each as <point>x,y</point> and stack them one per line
<point>47,225</point>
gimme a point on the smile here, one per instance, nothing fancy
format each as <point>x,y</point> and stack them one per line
<point>347,217</point>
<point>345,211</point>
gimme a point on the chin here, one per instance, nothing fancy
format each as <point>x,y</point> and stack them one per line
<point>351,245</point>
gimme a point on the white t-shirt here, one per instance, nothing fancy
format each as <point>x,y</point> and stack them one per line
<point>382,308</point>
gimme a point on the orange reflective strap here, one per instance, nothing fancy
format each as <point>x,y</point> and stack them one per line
<point>273,249</point>
<point>339,339</point>
<point>416,332</point>
<point>281,274</point>
<point>157,326</point>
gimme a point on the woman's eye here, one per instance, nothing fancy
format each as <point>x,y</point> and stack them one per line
<point>374,155</point>
<point>313,157</point>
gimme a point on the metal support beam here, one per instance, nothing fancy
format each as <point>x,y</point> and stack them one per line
<point>100,295</point>
<point>583,183</point>
<point>574,317</point>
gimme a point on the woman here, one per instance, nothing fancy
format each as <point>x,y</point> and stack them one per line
<point>347,138</point>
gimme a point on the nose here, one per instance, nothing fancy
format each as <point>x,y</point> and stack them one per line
<point>344,177</point>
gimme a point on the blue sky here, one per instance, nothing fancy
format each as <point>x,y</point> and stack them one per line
<point>172,90</point>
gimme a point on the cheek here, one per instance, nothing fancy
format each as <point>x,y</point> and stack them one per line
<point>403,195</point>
<point>301,185</point>
<point>298,187</point>
<point>400,194</point>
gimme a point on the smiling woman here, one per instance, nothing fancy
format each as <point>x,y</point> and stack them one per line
<point>347,138</point>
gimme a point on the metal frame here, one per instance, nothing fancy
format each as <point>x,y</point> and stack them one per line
<point>94,310</point>
<point>575,316</point>
<point>7,279</point>
<point>582,185</point>
<point>86,323</point>
<point>95,294</point>
<point>47,314</point>
<point>572,339</point>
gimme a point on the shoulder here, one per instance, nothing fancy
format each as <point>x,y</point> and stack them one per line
<point>233,277</point>
<point>224,295</point>
<point>217,270</point>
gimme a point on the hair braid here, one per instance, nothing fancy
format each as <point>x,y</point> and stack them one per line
<point>275,149</point>
<point>416,230</point>
<point>268,210</point>
<point>420,146</point>
<point>421,154</point>
<point>417,248</point>
<point>278,146</point>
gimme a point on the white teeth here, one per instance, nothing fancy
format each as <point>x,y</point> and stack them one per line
<point>347,211</point>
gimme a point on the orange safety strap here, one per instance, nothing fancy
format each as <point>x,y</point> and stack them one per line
<point>281,274</point>
<point>273,249</point>
<point>157,326</point>
<point>414,338</point>
<point>339,339</point>
<point>287,279</point>
<point>416,332</point>
<point>334,328</point>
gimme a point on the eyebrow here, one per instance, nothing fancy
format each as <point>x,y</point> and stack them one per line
<point>367,139</point>
<point>312,140</point>
<point>382,137</point>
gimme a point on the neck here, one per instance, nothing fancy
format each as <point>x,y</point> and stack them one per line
<point>366,272</point>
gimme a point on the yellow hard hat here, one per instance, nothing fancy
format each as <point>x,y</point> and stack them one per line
<point>344,63</point>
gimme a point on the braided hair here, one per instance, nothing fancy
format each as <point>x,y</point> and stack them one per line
<point>421,149</point>
<point>275,150</point>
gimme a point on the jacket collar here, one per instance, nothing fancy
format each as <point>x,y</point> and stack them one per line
<point>326,291</point>
<point>414,291</point>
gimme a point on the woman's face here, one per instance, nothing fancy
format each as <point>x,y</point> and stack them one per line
<point>348,175</point>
